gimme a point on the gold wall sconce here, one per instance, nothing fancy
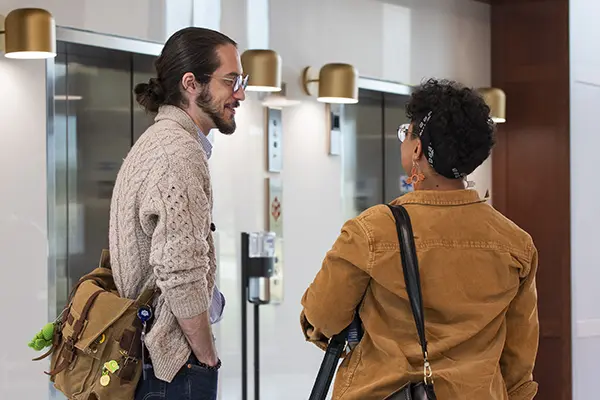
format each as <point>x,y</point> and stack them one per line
<point>264,70</point>
<point>28,33</point>
<point>335,83</point>
<point>496,100</point>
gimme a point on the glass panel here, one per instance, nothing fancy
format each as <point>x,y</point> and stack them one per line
<point>98,138</point>
<point>394,115</point>
<point>143,70</point>
<point>363,153</point>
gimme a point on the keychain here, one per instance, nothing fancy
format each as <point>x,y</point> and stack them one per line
<point>144,314</point>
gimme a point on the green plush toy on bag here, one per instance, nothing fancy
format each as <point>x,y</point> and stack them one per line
<point>43,338</point>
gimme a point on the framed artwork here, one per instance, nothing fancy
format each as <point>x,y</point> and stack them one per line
<point>275,206</point>
<point>275,224</point>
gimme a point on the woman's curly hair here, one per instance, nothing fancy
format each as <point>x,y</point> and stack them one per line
<point>460,124</point>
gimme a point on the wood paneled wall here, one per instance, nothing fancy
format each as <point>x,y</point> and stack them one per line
<point>530,62</point>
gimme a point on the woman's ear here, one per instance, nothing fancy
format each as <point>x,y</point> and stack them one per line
<point>418,150</point>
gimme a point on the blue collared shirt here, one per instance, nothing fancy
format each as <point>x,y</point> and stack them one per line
<point>206,144</point>
<point>218,300</point>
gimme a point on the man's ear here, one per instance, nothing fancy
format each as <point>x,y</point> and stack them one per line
<point>188,82</point>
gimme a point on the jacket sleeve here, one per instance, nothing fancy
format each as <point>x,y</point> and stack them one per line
<point>330,302</point>
<point>179,252</point>
<point>522,336</point>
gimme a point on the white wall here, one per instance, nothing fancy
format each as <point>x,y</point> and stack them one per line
<point>141,19</point>
<point>23,228</point>
<point>585,213</point>
<point>401,40</point>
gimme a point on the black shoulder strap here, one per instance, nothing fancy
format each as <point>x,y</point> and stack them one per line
<point>410,267</point>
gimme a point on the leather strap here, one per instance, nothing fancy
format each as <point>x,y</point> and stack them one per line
<point>147,296</point>
<point>55,343</point>
<point>410,268</point>
<point>78,327</point>
<point>67,355</point>
<point>46,354</point>
<point>335,348</point>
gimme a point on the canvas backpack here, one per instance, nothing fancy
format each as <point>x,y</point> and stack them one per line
<point>96,351</point>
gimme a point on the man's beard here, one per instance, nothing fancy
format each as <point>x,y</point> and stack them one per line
<point>206,104</point>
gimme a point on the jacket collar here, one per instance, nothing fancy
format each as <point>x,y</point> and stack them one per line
<point>179,116</point>
<point>440,197</point>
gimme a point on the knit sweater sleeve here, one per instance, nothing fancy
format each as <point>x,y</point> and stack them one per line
<point>179,207</point>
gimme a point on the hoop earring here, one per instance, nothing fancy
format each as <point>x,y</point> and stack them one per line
<point>416,175</point>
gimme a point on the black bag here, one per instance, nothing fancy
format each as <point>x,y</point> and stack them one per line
<point>422,390</point>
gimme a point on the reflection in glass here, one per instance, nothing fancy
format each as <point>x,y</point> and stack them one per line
<point>362,156</point>
<point>394,116</point>
<point>143,70</point>
<point>371,162</point>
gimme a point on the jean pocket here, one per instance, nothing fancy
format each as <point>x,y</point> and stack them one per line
<point>193,367</point>
<point>153,396</point>
<point>202,381</point>
<point>151,388</point>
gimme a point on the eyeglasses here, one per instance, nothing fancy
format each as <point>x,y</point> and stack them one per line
<point>403,132</point>
<point>237,83</point>
<point>403,129</point>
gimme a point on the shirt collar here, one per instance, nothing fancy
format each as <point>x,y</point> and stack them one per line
<point>440,197</point>
<point>206,144</point>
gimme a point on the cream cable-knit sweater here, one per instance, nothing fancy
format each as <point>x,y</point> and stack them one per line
<point>160,232</point>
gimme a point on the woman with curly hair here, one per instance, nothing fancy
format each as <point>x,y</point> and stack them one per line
<point>477,271</point>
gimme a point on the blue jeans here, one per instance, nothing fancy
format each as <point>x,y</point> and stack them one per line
<point>192,382</point>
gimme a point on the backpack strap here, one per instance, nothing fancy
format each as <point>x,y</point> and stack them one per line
<point>104,259</point>
<point>54,346</point>
<point>147,296</point>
